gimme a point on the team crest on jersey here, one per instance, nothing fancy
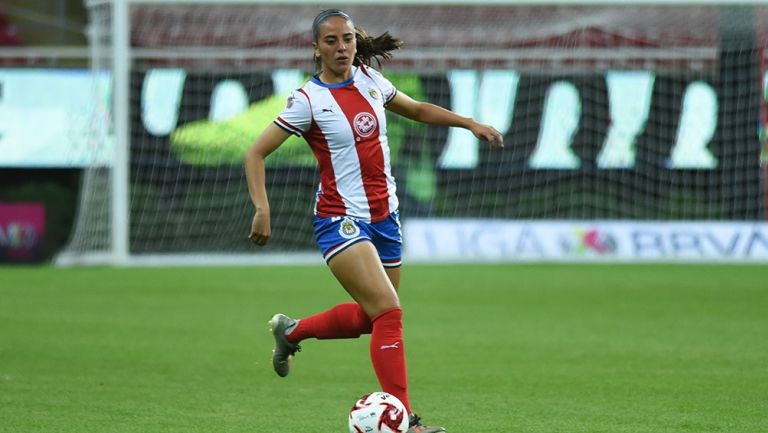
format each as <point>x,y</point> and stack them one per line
<point>365,124</point>
<point>374,94</point>
<point>348,229</point>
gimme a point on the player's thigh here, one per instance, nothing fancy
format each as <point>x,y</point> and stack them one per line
<point>394,276</point>
<point>360,272</point>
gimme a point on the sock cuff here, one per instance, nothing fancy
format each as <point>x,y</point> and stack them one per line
<point>386,312</point>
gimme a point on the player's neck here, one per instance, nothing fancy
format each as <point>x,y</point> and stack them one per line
<point>327,76</point>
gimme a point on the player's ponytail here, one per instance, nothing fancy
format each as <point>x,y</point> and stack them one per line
<point>378,48</point>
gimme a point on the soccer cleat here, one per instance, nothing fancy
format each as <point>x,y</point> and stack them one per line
<point>415,426</point>
<point>284,350</point>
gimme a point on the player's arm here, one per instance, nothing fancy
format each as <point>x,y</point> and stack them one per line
<point>268,141</point>
<point>432,114</point>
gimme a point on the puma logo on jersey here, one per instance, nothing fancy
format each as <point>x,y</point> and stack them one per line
<point>328,110</point>
<point>396,345</point>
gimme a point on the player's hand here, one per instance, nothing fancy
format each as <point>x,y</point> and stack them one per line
<point>488,133</point>
<point>260,228</point>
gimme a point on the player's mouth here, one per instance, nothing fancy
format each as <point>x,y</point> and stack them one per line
<point>342,59</point>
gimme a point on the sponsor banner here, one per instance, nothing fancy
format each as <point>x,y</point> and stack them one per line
<point>22,227</point>
<point>608,241</point>
<point>621,110</point>
<point>73,105</point>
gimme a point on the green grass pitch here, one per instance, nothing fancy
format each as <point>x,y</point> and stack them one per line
<point>517,348</point>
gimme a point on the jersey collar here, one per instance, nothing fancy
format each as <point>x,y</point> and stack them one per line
<point>317,81</point>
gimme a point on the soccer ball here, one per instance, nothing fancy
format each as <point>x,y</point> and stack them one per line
<point>378,412</point>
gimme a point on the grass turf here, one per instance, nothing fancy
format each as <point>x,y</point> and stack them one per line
<point>525,348</point>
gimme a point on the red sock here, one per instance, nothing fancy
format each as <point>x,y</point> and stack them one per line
<point>342,321</point>
<point>388,354</point>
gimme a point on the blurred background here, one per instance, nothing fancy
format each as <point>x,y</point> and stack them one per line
<point>40,35</point>
<point>53,23</point>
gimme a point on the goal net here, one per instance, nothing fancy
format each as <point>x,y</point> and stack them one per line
<point>612,113</point>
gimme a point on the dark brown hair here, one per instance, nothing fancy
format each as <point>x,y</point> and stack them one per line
<point>368,48</point>
<point>378,48</point>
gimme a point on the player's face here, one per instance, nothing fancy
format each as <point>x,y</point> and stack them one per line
<point>336,46</point>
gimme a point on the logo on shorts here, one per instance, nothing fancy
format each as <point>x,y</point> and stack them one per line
<point>289,104</point>
<point>374,94</point>
<point>348,229</point>
<point>365,124</point>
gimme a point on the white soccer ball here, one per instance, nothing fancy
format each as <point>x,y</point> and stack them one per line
<point>378,412</point>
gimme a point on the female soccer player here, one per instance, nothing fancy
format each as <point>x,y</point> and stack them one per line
<point>340,112</point>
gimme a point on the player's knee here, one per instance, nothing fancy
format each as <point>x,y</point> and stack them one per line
<point>381,304</point>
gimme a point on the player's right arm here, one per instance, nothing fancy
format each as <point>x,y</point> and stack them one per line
<point>268,141</point>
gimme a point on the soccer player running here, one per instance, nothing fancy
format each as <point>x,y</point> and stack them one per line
<point>340,113</point>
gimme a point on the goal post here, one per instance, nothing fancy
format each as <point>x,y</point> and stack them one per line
<point>633,131</point>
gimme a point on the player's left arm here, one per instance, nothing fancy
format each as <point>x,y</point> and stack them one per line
<point>432,114</point>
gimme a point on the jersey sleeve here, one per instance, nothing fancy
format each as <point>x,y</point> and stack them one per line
<point>296,117</point>
<point>387,88</point>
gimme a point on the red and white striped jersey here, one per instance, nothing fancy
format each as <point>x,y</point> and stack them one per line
<point>346,127</point>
